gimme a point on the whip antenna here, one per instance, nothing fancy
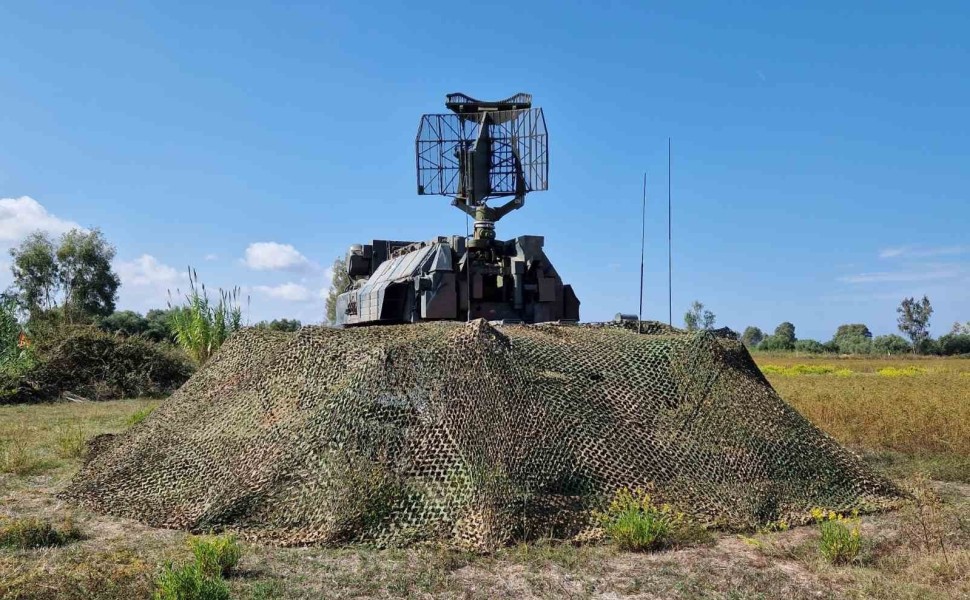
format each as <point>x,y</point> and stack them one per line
<point>670,259</point>
<point>643,237</point>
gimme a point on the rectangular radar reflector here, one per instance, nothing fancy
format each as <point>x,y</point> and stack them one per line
<point>453,149</point>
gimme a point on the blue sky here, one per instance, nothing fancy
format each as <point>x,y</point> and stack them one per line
<point>820,155</point>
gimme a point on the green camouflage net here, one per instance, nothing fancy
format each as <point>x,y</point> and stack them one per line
<point>469,433</point>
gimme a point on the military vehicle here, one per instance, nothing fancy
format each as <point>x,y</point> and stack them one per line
<point>479,152</point>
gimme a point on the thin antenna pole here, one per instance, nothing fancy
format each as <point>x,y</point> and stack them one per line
<point>468,275</point>
<point>643,238</point>
<point>670,256</point>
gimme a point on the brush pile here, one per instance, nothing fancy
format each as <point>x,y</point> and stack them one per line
<point>471,434</point>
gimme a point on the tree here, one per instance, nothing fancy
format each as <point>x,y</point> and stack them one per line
<point>698,318</point>
<point>954,343</point>
<point>959,329</point>
<point>126,322</point>
<point>853,330</point>
<point>280,325</point>
<point>752,336</point>
<point>890,344</point>
<point>75,276</point>
<point>786,331</point>
<point>339,283</point>
<point>160,328</point>
<point>35,278</point>
<point>84,266</point>
<point>853,338</point>
<point>914,320</point>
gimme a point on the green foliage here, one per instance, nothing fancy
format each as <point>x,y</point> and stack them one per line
<point>202,326</point>
<point>339,283</point>
<point>841,537</point>
<point>124,322</point>
<point>853,338</point>
<point>216,556</point>
<point>752,336</point>
<point>14,360</point>
<point>29,533</point>
<point>86,361</point>
<point>160,327</point>
<point>188,582</point>
<point>17,457</point>
<point>786,333</point>
<point>280,325</point>
<point>74,275</point>
<point>35,273</point>
<point>954,343</point>
<point>914,320</point>
<point>698,317</point>
<point>960,328</point>
<point>774,343</point>
<point>636,523</point>
<point>890,344</point>
<point>810,346</point>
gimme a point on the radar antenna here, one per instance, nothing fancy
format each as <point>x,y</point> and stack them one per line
<point>483,151</point>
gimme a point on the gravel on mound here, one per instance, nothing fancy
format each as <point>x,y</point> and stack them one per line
<point>469,433</point>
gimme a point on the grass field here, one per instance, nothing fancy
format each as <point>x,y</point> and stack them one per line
<point>909,421</point>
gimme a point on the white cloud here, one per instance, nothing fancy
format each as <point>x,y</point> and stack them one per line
<point>211,257</point>
<point>271,256</point>
<point>20,217</point>
<point>901,276</point>
<point>922,252</point>
<point>292,292</point>
<point>145,270</point>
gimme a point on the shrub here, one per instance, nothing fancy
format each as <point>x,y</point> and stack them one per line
<point>775,343</point>
<point>188,582</point>
<point>216,556</point>
<point>890,344</point>
<point>841,537</point>
<point>200,326</point>
<point>29,533</point>
<point>101,366</point>
<point>635,523</point>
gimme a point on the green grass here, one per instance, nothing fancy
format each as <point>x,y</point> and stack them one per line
<point>216,556</point>
<point>189,582</point>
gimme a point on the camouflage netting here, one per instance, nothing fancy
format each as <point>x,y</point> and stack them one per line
<point>469,433</point>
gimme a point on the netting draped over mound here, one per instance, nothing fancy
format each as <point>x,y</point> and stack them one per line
<point>470,433</point>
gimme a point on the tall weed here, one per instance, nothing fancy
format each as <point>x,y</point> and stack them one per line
<point>200,325</point>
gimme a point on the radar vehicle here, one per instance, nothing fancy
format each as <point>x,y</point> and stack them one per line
<point>486,156</point>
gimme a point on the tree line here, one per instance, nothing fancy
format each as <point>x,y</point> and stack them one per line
<point>913,321</point>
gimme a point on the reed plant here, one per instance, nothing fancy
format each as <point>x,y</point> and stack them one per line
<point>202,325</point>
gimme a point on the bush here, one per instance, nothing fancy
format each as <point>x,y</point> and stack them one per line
<point>890,344</point>
<point>71,442</point>
<point>188,582</point>
<point>775,343</point>
<point>635,523</point>
<point>841,537</point>
<point>100,366</point>
<point>29,533</point>
<point>216,556</point>
<point>854,344</point>
<point>18,458</point>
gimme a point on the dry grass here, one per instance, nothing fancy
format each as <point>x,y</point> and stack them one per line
<point>903,423</point>
<point>916,407</point>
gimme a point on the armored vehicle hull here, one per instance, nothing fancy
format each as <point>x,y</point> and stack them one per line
<point>410,282</point>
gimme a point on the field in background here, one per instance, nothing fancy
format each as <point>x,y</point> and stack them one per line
<point>902,413</point>
<point>903,421</point>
